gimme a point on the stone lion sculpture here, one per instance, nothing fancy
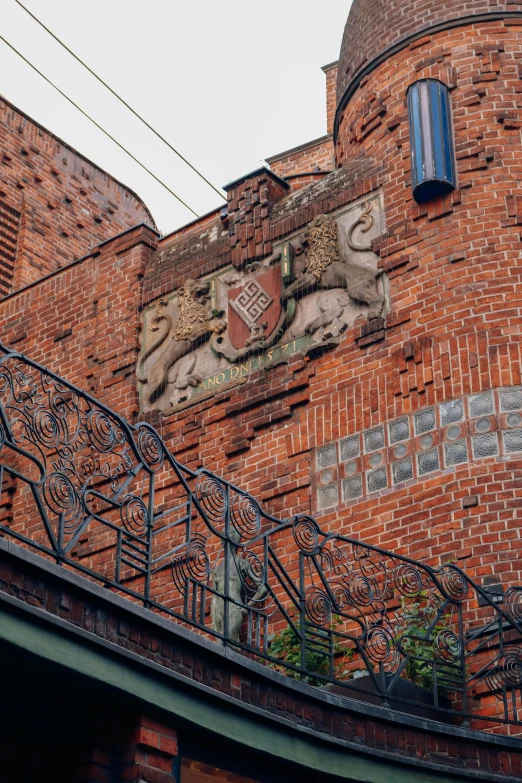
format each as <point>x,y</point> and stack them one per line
<point>323,268</point>
<point>194,325</point>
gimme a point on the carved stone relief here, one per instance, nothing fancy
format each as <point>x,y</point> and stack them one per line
<point>307,294</point>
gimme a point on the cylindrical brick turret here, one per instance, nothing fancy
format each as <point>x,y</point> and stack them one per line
<point>448,377</point>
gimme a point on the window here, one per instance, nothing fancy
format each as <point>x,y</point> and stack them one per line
<point>433,169</point>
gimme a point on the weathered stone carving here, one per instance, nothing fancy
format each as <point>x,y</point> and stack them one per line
<point>195,324</point>
<point>239,576</point>
<point>307,294</point>
<point>324,268</point>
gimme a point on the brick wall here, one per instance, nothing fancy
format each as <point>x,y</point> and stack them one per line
<point>83,321</point>
<point>331,72</point>
<point>452,331</point>
<point>54,204</point>
<point>455,275</point>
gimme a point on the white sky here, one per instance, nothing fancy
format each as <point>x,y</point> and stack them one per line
<point>227,83</point>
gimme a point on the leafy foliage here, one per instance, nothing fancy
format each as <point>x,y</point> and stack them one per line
<point>287,647</point>
<point>417,638</point>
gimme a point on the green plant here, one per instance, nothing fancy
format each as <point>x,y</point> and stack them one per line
<point>417,638</point>
<point>287,647</point>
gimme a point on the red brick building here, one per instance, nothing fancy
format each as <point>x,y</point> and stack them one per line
<point>323,550</point>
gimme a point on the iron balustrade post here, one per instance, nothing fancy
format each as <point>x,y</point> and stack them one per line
<point>227,569</point>
<point>117,567</point>
<point>462,665</point>
<point>500,656</point>
<point>149,534</point>
<point>302,614</point>
<point>61,525</point>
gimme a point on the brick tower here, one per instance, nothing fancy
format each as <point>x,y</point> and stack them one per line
<point>442,385</point>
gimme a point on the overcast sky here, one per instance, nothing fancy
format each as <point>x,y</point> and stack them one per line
<point>227,83</point>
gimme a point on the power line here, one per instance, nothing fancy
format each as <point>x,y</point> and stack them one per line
<point>97,125</point>
<point>78,59</point>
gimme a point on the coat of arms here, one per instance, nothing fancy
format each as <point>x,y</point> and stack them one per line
<point>255,314</point>
<point>220,328</point>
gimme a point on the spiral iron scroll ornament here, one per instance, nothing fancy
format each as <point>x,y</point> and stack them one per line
<point>253,573</point>
<point>245,515</point>
<point>193,564</point>
<point>507,673</point>
<point>318,606</point>
<point>447,646</point>
<point>326,560</point>
<point>408,580</point>
<point>513,603</point>
<point>102,432</point>
<point>212,495</point>
<point>359,589</point>
<point>62,499</point>
<point>46,428</point>
<point>306,534</point>
<point>134,515</point>
<point>151,448</point>
<point>455,584</point>
<point>381,647</point>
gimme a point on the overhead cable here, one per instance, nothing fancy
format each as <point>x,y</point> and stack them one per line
<point>98,125</point>
<point>93,73</point>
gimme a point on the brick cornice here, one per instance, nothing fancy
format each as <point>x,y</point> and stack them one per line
<point>141,233</point>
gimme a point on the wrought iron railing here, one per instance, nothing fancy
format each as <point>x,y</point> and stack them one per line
<point>96,494</point>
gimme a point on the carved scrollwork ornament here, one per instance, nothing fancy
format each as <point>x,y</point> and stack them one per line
<point>366,220</point>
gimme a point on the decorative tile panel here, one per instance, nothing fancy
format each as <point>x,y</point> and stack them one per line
<point>415,446</point>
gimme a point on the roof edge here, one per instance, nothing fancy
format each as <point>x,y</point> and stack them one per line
<point>80,155</point>
<point>256,173</point>
<point>300,148</point>
<point>329,66</point>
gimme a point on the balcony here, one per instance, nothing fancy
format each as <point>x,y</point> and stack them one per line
<point>96,495</point>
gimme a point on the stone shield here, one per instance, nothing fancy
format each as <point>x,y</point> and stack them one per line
<point>254,308</point>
